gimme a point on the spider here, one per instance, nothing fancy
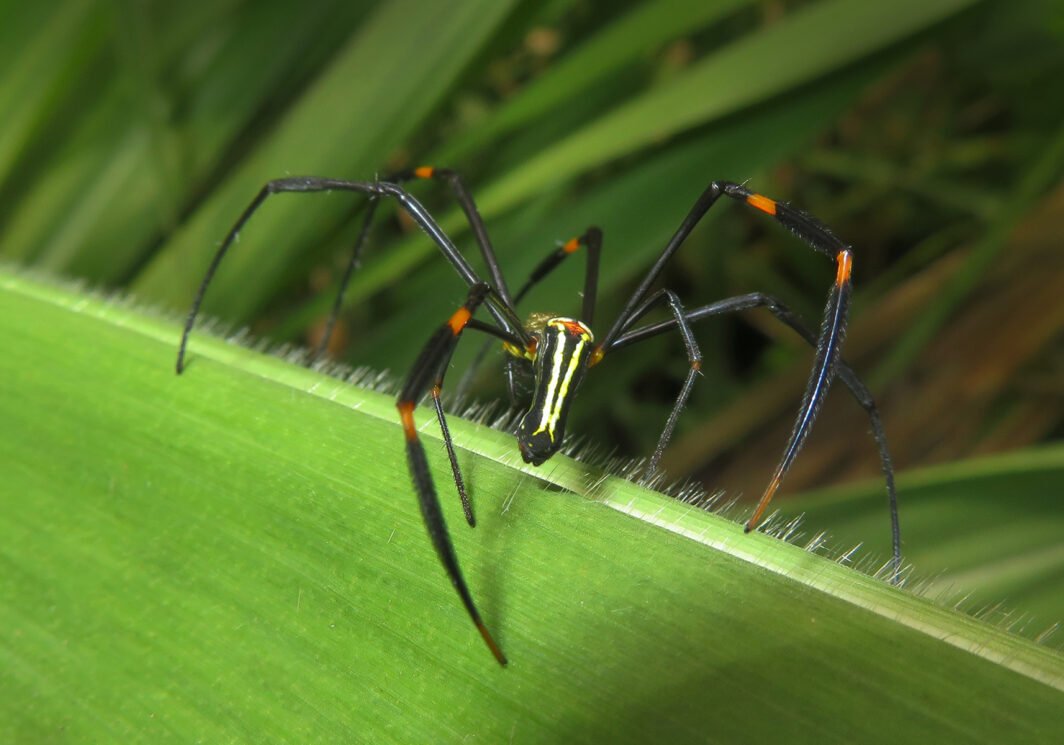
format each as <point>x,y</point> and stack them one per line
<point>561,351</point>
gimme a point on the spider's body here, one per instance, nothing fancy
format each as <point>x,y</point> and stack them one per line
<point>560,350</point>
<point>563,349</point>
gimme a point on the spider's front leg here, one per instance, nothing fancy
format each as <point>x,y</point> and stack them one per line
<point>428,371</point>
<point>828,342</point>
<point>846,374</point>
<point>501,310</point>
<point>818,237</point>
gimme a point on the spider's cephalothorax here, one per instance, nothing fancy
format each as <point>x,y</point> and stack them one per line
<point>560,350</point>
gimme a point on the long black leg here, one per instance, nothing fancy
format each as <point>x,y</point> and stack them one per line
<point>825,363</point>
<point>459,482</point>
<point>851,380</point>
<point>592,241</point>
<point>806,227</point>
<point>437,390</point>
<point>426,372</point>
<point>501,311</point>
<point>476,223</point>
<point>694,357</point>
<point>818,237</point>
<point>352,265</point>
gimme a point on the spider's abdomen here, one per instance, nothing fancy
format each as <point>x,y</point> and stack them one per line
<point>561,361</point>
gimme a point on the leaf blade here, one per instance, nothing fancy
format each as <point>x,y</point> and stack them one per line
<point>238,560</point>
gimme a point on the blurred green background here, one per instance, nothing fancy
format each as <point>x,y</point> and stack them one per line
<point>929,134</point>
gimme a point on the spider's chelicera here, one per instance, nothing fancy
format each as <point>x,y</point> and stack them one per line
<point>561,351</point>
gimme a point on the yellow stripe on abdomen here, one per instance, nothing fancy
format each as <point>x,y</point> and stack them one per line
<point>558,384</point>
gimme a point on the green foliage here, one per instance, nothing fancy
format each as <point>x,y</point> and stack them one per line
<point>992,525</point>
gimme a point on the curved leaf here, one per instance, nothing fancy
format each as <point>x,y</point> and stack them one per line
<point>235,554</point>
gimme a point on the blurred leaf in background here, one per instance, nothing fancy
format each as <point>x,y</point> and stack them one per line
<point>927,133</point>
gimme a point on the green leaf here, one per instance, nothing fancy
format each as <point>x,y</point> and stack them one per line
<point>395,70</point>
<point>235,554</point>
<point>48,48</point>
<point>803,46</point>
<point>984,531</point>
<point>141,149</point>
<point>624,41</point>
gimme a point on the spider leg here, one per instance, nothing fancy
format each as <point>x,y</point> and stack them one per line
<point>807,228</point>
<point>437,390</point>
<point>815,235</point>
<point>501,311</point>
<point>476,223</point>
<point>680,320</point>
<point>459,482</point>
<point>849,378</point>
<point>468,207</point>
<point>825,363</point>
<point>352,265</point>
<point>592,241</point>
<point>425,372</point>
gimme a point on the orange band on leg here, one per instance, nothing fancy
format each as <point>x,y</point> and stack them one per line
<point>596,356</point>
<point>571,245</point>
<point>424,172</point>
<point>845,259</point>
<point>770,492</point>
<point>762,203</point>
<point>458,321</point>
<point>499,656</point>
<point>406,415</point>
